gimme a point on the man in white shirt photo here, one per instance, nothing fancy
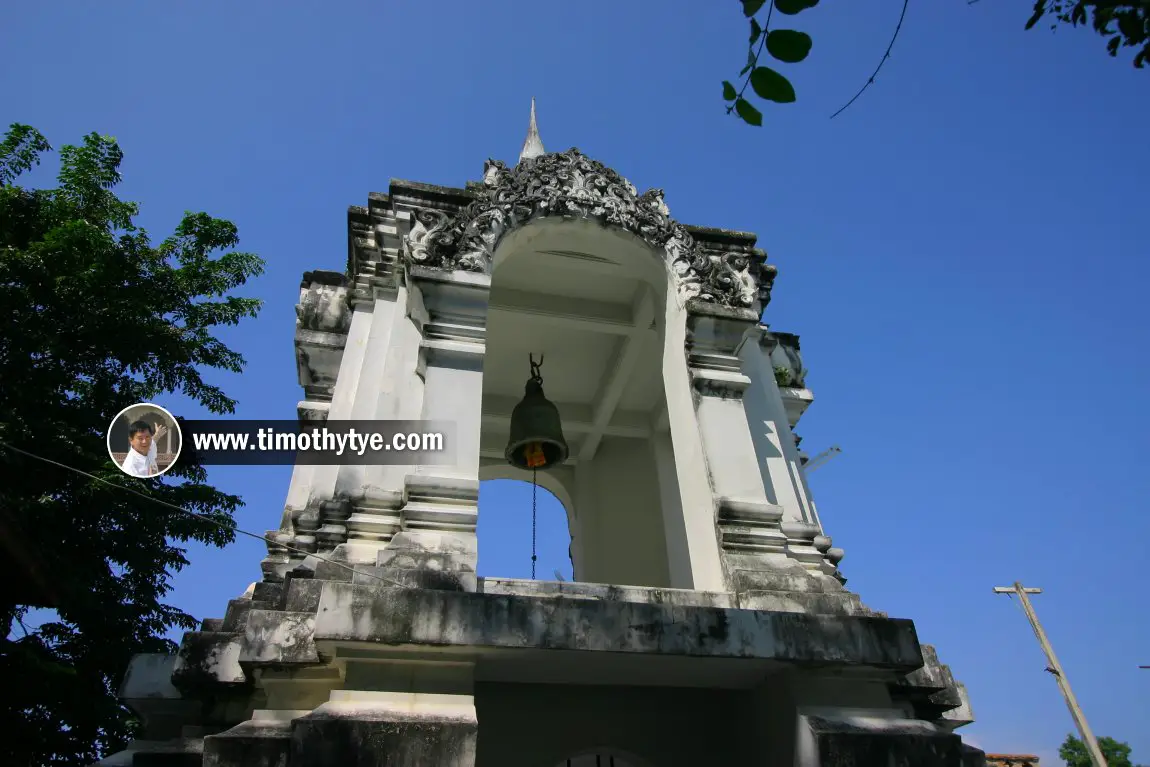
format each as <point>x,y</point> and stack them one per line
<point>141,458</point>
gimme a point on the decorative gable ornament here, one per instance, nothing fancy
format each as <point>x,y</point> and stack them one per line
<point>571,185</point>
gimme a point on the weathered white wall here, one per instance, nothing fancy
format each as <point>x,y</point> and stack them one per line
<point>619,520</point>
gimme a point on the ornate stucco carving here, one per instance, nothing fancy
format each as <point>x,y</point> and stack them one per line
<point>788,358</point>
<point>571,185</point>
<point>323,303</point>
<point>323,316</point>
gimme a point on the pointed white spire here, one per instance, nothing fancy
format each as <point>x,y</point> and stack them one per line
<point>533,145</point>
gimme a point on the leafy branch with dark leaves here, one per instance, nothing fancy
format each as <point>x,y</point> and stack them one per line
<point>785,45</point>
<point>789,47</point>
<point>1126,24</point>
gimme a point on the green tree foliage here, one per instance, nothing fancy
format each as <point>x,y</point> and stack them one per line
<point>96,318</point>
<point>1123,24</point>
<point>1073,752</point>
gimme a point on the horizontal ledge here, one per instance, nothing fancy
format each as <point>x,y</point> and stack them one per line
<point>578,314</point>
<point>460,278</point>
<point>391,616</point>
<point>328,339</point>
<point>444,346</point>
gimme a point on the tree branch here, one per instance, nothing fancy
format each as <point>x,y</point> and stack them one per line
<point>758,53</point>
<point>1117,3</point>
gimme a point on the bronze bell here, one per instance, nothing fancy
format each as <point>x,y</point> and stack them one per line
<point>536,434</point>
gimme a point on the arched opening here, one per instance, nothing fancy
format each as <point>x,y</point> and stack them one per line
<point>592,301</point>
<point>504,528</point>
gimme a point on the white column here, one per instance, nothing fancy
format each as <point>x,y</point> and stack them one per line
<point>399,398</point>
<point>387,310</point>
<point>692,532</point>
<point>778,457</point>
<point>312,485</point>
<point>748,520</point>
<point>361,365</point>
<point>346,384</point>
<point>442,501</point>
<point>395,392</point>
<point>354,398</point>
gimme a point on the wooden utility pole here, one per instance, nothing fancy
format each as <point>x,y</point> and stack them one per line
<point>1056,669</point>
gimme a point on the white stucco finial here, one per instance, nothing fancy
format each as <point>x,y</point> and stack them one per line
<point>533,145</point>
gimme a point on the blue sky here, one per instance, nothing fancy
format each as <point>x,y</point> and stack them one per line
<point>960,251</point>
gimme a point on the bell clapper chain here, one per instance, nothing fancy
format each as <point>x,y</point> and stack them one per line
<point>535,458</point>
<point>536,442</point>
<point>534,487</point>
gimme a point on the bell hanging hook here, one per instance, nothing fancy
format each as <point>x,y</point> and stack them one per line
<point>535,366</point>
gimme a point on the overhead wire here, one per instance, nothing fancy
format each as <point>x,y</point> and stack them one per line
<point>204,517</point>
<point>885,56</point>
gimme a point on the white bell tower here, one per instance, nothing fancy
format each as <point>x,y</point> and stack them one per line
<point>708,622</point>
